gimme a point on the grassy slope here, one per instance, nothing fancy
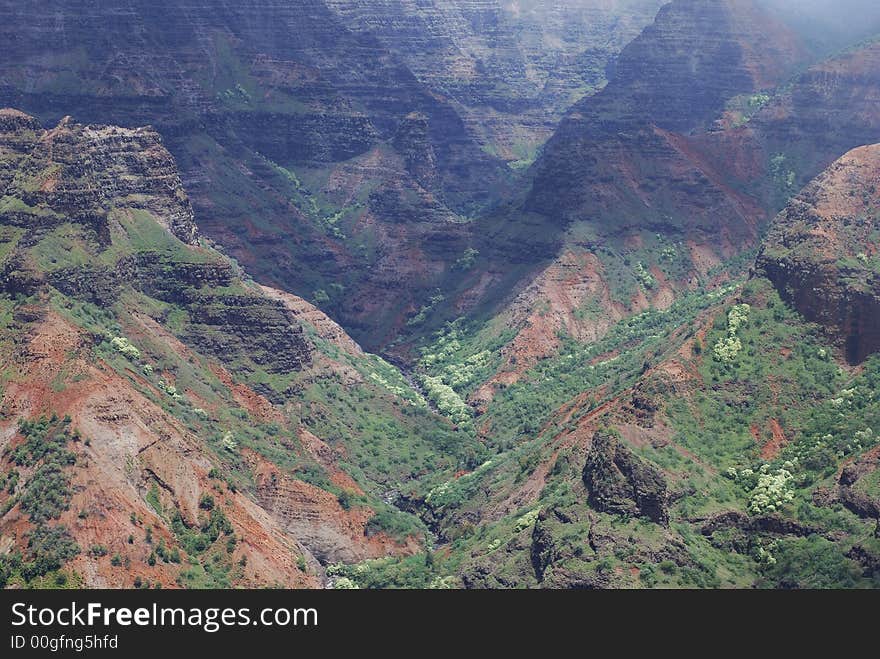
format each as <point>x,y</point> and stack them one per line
<point>716,422</point>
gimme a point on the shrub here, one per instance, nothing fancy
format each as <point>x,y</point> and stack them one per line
<point>229,442</point>
<point>467,259</point>
<point>395,523</point>
<point>344,583</point>
<point>447,401</point>
<point>772,491</point>
<point>124,347</point>
<point>49,547</point>
<point>728,347</point>
<point>47,494</point>
<point>526,520</point>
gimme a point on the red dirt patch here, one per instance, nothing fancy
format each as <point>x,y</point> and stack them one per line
<point>257,405</point>
<point>318,520</point>
<point>133,446</point>
<point>778,441</point>
<point>327,457</point>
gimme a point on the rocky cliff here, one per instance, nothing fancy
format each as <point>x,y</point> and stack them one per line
<point>820,252</point>
<point>201,429</point>
<point>826,111</point>
<point>627,205</point>
<point>263,105</point>
<point>620,482</point>
<point>616,157</point>
<point>650,186</point>
<point>511,68</point>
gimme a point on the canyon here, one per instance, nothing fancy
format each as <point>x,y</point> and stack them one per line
<point>456,293</point>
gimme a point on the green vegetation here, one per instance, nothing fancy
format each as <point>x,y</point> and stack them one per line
<point>43,495</point>
<point>745,106</point>
<point>153,499</point>
<point>467,260</point>
<point>779,374</point>
<point>394,523</point>
<point>783,177</point>
<point>125,348</point>
<point>447,401</point>
<point>728,347</point>
<point>522,409</point>
<point>734,401</point>
<point>422,315</point>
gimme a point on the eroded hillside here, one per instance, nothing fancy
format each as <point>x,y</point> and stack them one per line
<point>166,420</point>
<point>646,359</point>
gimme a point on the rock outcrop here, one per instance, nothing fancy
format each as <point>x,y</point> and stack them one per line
<point>851,495</point>
<point>543,550</point>
<point>185,378</point>
<point>821,252</point>
<point>620,482</point>
<point>102,189</point>
<point>85,172</point>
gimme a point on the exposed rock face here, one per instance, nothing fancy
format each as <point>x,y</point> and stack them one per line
<point>241,90</point>
<point>821,252</point>
<point>682,68</point>
<point>332,533</point>
<point>133,445</point>
<point>85,171</point>
<point>773,524</point>
<point>628,163</point>
<point>325,327</point>
<point>18,132</point>
<point>511,68</point>
<point>861,503</point>
<point>88,175</point>
<point>167,359</point>
<point>543,550</point>
<point>413,143</point>
<point>620,482</point>
<point>248,327</point>
<point>289,80</point>
<point>617,156</point>
<point>639,159</point>
<point>831,108</point>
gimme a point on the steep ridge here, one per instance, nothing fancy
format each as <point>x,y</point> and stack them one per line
<point>726,418</point>
<point>821,252</point>
<point>625,188</point>
<point>263,106</point>
<point>722,442</point>
<point>166,420</point>
<point>828,110</point>
<point>169,59</point>
<point>615,158</point>
<point>512,68</point>
<point>739,420</point>
<point>636,200</point>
